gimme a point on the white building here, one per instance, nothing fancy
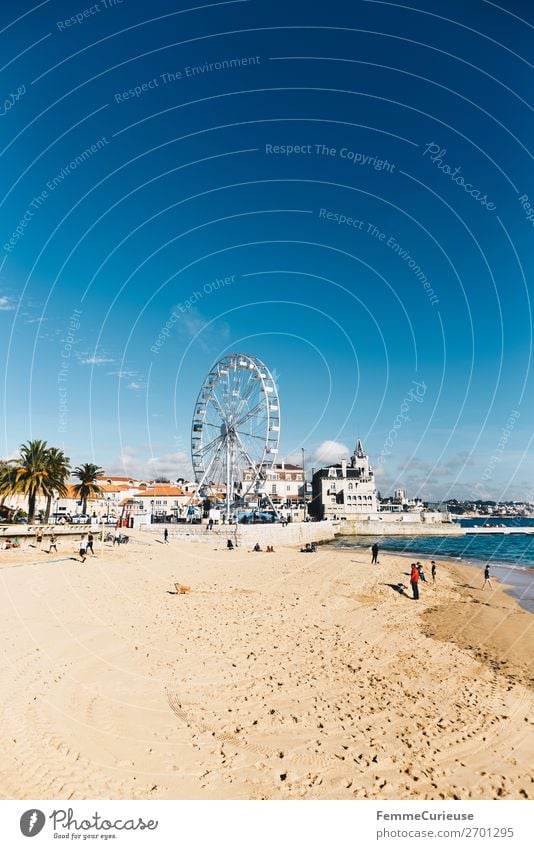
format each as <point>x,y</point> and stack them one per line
<point>344,490</point>
<point>284,483</point>
<point>159,499</point>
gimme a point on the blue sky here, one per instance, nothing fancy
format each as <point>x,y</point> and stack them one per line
<point>300,169</point>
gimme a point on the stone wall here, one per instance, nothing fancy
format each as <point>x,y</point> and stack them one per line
<point>397,528</point>
<point>295,533</point>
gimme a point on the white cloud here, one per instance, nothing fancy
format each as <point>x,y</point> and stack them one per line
<point>6,303</point>
<point>124,373</point>
<point>208,334</point>
<point>134,461</point>
<point>331,452</point>
<point>95,359</point>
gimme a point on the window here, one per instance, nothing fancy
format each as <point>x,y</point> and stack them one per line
<point>299,477</point>
<point>288,488</point>
<point>273,489</point>
<point>350,486</point>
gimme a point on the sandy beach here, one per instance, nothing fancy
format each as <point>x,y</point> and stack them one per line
<point>278,676</point>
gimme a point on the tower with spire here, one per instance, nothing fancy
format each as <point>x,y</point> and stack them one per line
<point>345,490</point>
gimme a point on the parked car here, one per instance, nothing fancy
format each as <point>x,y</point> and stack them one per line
<point>82,519</point>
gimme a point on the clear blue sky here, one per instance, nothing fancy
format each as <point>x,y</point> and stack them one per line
<point>186,181</point>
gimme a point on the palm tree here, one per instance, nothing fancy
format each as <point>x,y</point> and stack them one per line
<point>29,474</point>
<point>6,479</point>
<point>59,470</point>
<point>87,474</point>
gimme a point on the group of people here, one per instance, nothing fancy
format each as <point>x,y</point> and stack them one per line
<point>309,548</point>
<point>268,550</point>
<point>417,574</point>
<point>86,544</point>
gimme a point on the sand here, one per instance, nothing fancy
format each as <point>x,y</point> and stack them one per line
<point>278,676</point>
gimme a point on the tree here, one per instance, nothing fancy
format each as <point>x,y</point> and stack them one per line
<point>29,474</point>
<point>59,470</point>
<point>87,474</point>
<point>7,470</point>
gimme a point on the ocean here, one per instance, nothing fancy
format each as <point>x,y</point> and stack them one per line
<point>510,556</point>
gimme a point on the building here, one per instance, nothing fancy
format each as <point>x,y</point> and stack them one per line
<point>284,484</point>
<point>344,490</point>
<point>159,499</point>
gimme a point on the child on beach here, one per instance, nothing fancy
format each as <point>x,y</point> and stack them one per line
<point>487,579</point>
<point>53,543</point>
<point>90,540</point>
<point>433,571</point>
<point>39,537</point>
<point>421,573</point>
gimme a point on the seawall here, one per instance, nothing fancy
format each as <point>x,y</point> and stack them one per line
<point>398,528</point>
<point>295,533</point>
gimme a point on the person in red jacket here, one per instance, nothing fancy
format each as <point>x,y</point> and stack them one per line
<point>414,581</point>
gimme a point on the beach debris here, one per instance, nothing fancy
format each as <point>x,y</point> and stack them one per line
<point>181,588</point>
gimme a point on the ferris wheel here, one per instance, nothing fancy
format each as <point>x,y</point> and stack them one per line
<point>235,432</point>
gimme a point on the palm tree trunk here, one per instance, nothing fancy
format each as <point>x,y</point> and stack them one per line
<point>84,508</point>
<point>48,508</point>
<point>31,508</point>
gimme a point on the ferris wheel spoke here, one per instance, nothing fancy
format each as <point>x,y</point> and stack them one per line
<point>251,435</point>
<point>245,452</point>
<point>208,468</point>
<point>253,387</point>
<point>204,448</point>
<point>249,415</point>
<point>218,405</point>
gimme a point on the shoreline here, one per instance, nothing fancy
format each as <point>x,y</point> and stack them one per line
<point>278,676</point>
<point>500,633</point>
<point>522,589</point>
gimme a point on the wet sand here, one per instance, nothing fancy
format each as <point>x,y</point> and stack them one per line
<point>280,676</point>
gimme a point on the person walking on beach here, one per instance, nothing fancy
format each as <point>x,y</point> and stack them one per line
<point>83,547</point>
<point>53,543</point>
<point>166,536</point>
<point>39,537</point>
<point>433,571</point>
<point>374,549</point>
<point>90,540</point>
<point>414,581</point>
<point>487,579</point>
